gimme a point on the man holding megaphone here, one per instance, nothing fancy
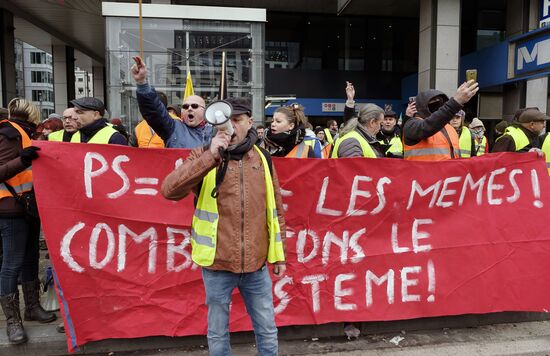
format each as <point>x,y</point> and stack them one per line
<point>234,181</point>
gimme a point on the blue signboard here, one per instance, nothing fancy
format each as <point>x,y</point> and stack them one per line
<point>533,54</point>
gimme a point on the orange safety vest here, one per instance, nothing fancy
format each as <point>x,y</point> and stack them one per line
<point>22,181</point>
<point>434,148</point>
<point>299,151</point>
<point>147,137</point>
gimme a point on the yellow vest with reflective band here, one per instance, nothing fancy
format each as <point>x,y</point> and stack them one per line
<point>465,143</point>
<point>480,148</point>
<point>22,181</point>
<point>520,138</point>
<point>102,136</point>
<point>56,136</point>
<point>328,136</point>
<point>396,146</point>
<point>204,227</point>
<point>365,146</point>
<point>546,150</point>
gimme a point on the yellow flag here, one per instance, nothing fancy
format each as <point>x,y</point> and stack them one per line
<point>188,86</point>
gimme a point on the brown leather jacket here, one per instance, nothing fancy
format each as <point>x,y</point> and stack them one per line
<point>243,238</point>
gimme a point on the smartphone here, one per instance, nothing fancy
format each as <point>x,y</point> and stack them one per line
<point>412,99</point>
<point>471,74</point>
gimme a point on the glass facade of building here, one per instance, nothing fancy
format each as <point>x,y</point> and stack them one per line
<point>174,46</point>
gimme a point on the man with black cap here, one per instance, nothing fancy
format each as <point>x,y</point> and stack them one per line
<point>93,127</point>
<point>522,135</point>
<point>237,227</point>
<point>428,136</point>
<point>192,132</point>
<point>389,135</point>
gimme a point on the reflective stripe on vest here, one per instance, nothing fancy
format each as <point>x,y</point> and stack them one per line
<point>301,150</point>
<point>434,148</point>
<point>328,136</point>
<point>365,146</point>
<point>146,136</point>
<point>520,138</point>
<point>102,136</point>
<point>22,181</point>
<point>205,221</point>
<point>56,136</point>
<point>465,143</point>
<point>482,146</point>
<point>546,149</point>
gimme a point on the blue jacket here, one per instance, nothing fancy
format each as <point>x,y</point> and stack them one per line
<point>175,133</point>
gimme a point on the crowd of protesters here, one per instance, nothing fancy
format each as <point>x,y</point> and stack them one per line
<point>433,128</point>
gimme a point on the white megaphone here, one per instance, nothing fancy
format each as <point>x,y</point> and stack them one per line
<point>218,114</point>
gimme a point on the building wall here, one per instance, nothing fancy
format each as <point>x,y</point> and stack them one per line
<point>37,78</point>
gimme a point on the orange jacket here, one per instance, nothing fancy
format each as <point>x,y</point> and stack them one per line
<point>434,148</point>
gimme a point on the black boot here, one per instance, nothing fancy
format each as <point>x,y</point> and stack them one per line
<point>10,306</point>
<point>33,309</point>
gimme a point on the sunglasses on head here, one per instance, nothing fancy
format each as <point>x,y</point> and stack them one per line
<point>194,106</point>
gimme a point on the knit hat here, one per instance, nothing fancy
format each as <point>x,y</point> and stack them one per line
<point>461,113</point>
<point>530,115</point>
<point>476,123</point>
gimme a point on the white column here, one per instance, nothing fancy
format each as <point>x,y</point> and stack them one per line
<point>537,93</point>
<point>439,45</point>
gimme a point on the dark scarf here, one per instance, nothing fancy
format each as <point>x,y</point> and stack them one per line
<point>279,145</point>
<point>234,153</point>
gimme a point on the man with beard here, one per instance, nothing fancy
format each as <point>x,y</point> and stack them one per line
<point>389,135</point>
<point>233,181</point>
<point>192,132</point>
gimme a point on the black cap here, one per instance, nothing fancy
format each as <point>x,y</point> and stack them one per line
<point>390,113</point>
<point>240,106</point>
<point>89,103</point>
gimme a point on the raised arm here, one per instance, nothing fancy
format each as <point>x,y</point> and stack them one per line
<point>151,108</point>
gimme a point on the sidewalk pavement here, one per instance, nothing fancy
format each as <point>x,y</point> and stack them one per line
<point>463,335</point>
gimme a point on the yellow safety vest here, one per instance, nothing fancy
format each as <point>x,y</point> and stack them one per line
<point>480,148</point>
<point>102,136</point>
<point>365,146</point>
<point>396,146</point>
<point>56,136</point>
<point>328,136</point>
<point>520,138</point>
<point>204,227</point>
<point>465,143</point>
<point>546,150</point>
<point>22,181</point>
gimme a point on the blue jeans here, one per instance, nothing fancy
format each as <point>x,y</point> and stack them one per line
<point>20,252</point>
<point>255,288</point>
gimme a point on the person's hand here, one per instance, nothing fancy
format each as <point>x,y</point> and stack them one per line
<point>139,70</point>
<point>411,109</point>
<point>466,91</point>
<point>221,140</point>
<point>350,91</point>
<point>279,270</point>
<point>538,151</point>
<point>28,155</point>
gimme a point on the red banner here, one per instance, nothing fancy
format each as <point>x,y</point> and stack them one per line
<point>368,239</point>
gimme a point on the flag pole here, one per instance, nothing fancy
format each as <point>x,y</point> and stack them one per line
<point>140,32</point>
<point>222,83</point>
